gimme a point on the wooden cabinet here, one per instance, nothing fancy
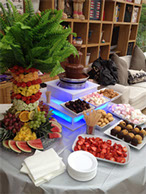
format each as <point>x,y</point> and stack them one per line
<point>114,14</point>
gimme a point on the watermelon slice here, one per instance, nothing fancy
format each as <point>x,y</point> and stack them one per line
<point>54,135</point>
<point>12,145</point>
<point>5,144</point>
<point>55,127</point>
<point>36,144</point>
<point>23,146</point>
<point>53,119</point>
<point>54,123</point>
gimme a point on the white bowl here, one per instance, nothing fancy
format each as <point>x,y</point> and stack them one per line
<point>82,165</point>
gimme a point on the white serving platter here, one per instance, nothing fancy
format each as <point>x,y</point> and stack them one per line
<point>76,114</point>
<point>112,99</point>
<point>138,147</point>
<point>105,139</point>
<point>96,106</point>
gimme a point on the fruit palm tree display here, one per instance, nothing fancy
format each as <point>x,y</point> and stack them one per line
<point>30,43</point>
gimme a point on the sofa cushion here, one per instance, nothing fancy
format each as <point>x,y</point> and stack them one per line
<point>127,59</point>
<point>141,85</point>
<point>138,60</point>
<point>137,96</point>
<point>122,69</point>
<point>136,76</point>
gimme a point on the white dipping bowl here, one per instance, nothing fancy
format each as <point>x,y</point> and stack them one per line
<point>82,165</point>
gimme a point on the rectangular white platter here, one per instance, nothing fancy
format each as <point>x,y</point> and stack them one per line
<point>138,147</point>
<point>112,99</point>
<point>105,139</point>
<point>107,100</point>
<point>76,114</point>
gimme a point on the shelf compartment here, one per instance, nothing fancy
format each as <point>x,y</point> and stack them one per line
<point>106,32</point>
<point>133,32</point>
<point>104,52</point>
<point>94,33</point>
<point>130,48</point>
<point>94,53</point>
<point>95,10</point>
<point>108,15</point>
<point>81,30</point>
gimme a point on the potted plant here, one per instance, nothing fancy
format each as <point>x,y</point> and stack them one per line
<point>30,43</point>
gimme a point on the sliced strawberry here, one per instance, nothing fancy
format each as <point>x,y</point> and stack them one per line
<point>125,149</point>
<point>94,148</point>
<point>76,148</point>
<point>109,142</point>
<point>112,159</point>
<point>79,142</point>
<point>103,151</point>
<point>119,153</point>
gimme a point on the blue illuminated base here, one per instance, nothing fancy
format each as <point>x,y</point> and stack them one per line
<point>60,95</point>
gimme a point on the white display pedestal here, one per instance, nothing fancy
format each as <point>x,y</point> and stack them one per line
<point>60,95</point>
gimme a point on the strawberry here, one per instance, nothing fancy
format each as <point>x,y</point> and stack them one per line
<point>103,151</point>
<point>28,84</point>
<point>23,85</point>
<point>18,96</point>
<point>76,148</point>
<point>27,102</point>
<point>24,98</point>
<point>94,148</point>
<point>125,149</point>
<point>119,153</point>
<point>112,159</point>
<point>79,142</point>
<point>109,142</point>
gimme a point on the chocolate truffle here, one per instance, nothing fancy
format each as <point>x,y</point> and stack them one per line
<point>143,132</point>
<point>139,138</point>
<point>114,132</point>
<point>127,138</point>
<point>134,141</point>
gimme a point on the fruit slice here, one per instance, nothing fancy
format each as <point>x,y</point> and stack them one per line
<point>53,119</point>
<point>31,115</point>
<point>12,145</point>
<point>17,113</point>
<point>54,123</point>
<point>24,116</point>
<point>54,135</point>
<point>36,144</point>
<point>23,146</point>
<point>55,127</point>
<point>5,144</point>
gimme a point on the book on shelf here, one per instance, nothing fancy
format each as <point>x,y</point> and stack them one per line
<point>117,12</point>
<point>95,9</point>
<point>135,14</point>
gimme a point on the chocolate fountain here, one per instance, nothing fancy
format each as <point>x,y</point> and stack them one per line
<point>73,77</point>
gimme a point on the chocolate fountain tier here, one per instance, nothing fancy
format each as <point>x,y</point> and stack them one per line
<point>74,71</point>
<point>72,83</point>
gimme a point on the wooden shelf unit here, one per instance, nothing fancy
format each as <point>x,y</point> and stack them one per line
<point>94,31</point>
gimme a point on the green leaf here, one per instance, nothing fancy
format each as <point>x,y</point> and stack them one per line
<point>56,70</point>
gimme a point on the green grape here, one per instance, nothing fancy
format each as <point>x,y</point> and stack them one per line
<point>44,120</point>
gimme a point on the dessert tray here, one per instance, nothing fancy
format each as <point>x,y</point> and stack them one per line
<point>117,143</point>
<point>76,114</point>
<point>138,147</point>
<point>111,99</point>
<point>89,100</point>
<point>102,128</point>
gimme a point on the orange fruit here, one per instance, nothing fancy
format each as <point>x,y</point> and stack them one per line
<point>24,116</point>
<point>38,108</point>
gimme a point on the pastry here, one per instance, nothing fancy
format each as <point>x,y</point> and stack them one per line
<point>136,129</point>
<point>129,127</point>
<point>143,132</point>
<point>139,138</point>
<point>125,132</point>
<point>131,135</point>
<point>114,132</point>
<point>122,124</point>
<point>120,135</point>
<point>118,128</point>
<point>127,138</point>
<point>134,141</point>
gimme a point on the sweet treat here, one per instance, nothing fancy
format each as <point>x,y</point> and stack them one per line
<point>125,132</point>
<point>122,124</point>
<point>114,132</point>
<point>143,132</point>
<point>120,135</point>
<point>131,135</point>
<point>129,127</point>
<point>139,138</point>
<point>136,130</point>
<point>105,119</point>
<point>77,106</point>
<point>138,127</point>
<point>109,93</point>
<point>127,138</point>
<point>132,131</point>
<point>134,141</point>
<point>117,128</point>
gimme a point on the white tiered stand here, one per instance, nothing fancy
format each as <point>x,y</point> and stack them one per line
<point>60,95</point>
